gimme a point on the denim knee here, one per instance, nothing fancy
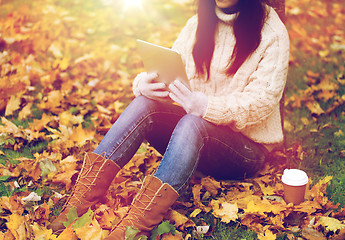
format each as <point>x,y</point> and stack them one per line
<point>144,103</point>
<point>190,122</point>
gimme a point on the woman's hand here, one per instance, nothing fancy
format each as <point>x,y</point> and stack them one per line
<point>192,102</point>
<point>148,87</point>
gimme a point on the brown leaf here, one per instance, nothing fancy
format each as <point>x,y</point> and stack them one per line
<point>197,198</point>
<point>105,217</point>
<point>28,167</point>
<point>180,220</point>
<point>211,185</point>
<point>312,234</point>
<point>13,204</point>
<point>65,178</point>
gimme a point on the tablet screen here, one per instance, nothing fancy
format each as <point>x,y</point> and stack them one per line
<point>165,61</point>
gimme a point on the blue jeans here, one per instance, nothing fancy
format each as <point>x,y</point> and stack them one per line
<point>187,143</point>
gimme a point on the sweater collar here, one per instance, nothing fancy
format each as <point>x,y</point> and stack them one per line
<point>227,18</point>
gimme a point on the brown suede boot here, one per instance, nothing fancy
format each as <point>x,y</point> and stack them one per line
<point>147,209</point>
<point>93,181</point>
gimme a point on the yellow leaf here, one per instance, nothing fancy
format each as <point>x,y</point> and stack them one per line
<point>318,191</point>
<point>195,212</point>
<point>308,207</point>
<point>264,183</point>
<point>305,121</point>
<point>314,107</point>
<point>16,224</point>
<point>64,63</point>
<point>68,119</point>
<point>7,235</point>
<point>12,105</point>
<point>323,53</point>
<point>42,233</point>
<point>52,101</point>
<point>103,109</point>
<point>224,210</point>
<point>25,112</point>
<point>260,207</point>
<point>55,50</point>
<point>331,224</point>
<point>268,235</point>
<point>118,106</point>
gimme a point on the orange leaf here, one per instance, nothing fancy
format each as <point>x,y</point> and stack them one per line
<point>169,236</point>
<point>81,135</point>
<point>68,233</point>
<point>92,231</point>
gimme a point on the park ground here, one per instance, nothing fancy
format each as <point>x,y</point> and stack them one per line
<point>66,72</point>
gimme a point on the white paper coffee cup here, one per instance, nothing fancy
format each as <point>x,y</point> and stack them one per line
<point>295,182</point>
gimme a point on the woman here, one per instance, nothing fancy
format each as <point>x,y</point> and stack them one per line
<point>236,56</point>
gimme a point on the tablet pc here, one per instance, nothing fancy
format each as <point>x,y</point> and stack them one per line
<point>165,61</point>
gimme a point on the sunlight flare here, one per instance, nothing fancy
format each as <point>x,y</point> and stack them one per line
<point>132,3</point>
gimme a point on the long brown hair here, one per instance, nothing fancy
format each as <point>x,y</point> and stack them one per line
<point>247,30</point>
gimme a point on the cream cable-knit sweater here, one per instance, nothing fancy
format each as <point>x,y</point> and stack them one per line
<point>249,101</point>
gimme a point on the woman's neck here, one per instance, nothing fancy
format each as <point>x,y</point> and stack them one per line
<point>230,10</point>
<point>225,17</point>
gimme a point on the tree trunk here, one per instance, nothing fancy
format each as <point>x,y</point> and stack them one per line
<point>279,7</point>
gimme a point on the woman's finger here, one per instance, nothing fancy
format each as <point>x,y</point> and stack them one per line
<point>173,88</point>
<point>175,98</point>
<point>156,86</point>
<point>160,94</point>
<point>182,88</point>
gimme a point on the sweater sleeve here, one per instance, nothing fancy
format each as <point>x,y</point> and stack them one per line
<point>263,91</point>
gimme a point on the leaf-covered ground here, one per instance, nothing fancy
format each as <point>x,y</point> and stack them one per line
<point>66,69</point>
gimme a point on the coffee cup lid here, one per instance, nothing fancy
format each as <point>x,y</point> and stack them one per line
<point>294,177</point>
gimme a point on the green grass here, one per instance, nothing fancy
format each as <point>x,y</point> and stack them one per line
<point>323,138</point>
<point>220,230</point>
